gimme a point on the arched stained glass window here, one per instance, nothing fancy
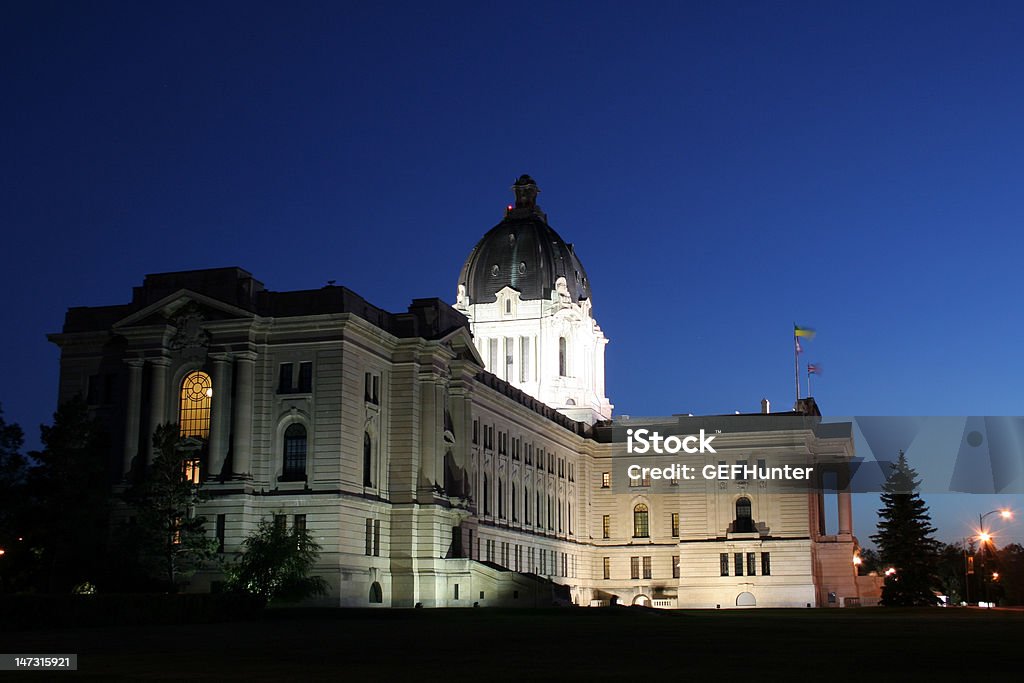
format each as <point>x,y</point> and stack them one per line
<point>196,395</point>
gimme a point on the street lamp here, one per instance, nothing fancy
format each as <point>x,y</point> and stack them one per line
<point>985,537</point>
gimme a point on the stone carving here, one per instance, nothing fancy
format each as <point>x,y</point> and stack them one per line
<point>190,335</point>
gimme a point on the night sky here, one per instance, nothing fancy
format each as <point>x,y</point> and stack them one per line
<point>724,170</point>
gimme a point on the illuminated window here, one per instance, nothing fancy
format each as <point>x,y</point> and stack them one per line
<point>190,470</point>
<point>606,526</point>
<point>606,479</point>
<point>641,529</point>
<point>750,564</point>
<point>675,525</point>
<point>723,561</point>
<point>675,566</point>
<point>647,566</point>
<point>294,452</point>
<point>194,416</point>
<point>634,567</point>
<point>607,567</point>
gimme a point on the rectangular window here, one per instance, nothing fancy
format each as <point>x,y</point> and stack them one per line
<point>606,526</point>
<point>675,566</point>
<point>371,390</point>
<point>221,528</point>
<point>492,355</point>
<point>675,525</point>
<point>647,566</point>
<point>606,479</point>
<point>281,522</point>
<point>742,464</point>
<point>369,536</point>
<point>510,347</point>
<point>634,567</point>
<point>284,379</point>
<point>456,591</point>
<point>305,377</point>
<point>524,359</point>
<point>376,538</point>
<point>723,561</point>
<point>476,431</point>
<point>607,567</point>
<point>190,470</point>
<point>750,564</point>
<point>540,459</point>
<point>739,564</point>
<point>766,564</point>
<point>529,454</point>
<point>92,393</point>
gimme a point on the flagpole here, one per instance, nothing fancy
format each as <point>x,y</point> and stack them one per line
<point>796,362</point>
<point>809,392</point>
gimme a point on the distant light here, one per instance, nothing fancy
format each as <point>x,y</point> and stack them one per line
<point>995,576</point>
<point>21,538</point>
<point>890,571</point>
<point>510,207</point>
<point>2,551</point>
<point>1006,514</point>
<point>209,392</point>
<point>984,537</point>
<point>857,560</point>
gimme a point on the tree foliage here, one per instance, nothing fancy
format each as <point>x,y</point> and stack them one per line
<point>69,490</point>
<point>905,540</point>
<point>169,539</point>
<point>275,564</point>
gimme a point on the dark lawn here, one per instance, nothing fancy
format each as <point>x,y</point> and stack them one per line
<point>867,644</point>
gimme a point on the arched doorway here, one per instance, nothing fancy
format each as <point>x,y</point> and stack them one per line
<point>746,600</point>
<point>642,601</point>
<point>376,594</point>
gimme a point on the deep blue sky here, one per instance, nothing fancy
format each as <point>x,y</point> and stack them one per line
<point>724,169</point>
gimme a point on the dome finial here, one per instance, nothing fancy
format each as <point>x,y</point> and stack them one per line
<point>526,191</point>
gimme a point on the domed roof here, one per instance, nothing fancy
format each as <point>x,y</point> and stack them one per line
<point>523,252</point>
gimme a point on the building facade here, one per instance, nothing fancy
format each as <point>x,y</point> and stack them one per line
<point>448,455</point>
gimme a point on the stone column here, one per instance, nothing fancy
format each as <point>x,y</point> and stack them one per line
<point>157,399</point>
<point>845,512</point>
<point>220,418</point>
<point>133,416</point>
<point>242,448</point>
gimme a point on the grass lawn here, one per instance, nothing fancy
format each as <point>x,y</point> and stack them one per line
<point>869,644</point>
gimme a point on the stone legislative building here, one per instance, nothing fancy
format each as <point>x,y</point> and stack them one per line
<point>451,455</point>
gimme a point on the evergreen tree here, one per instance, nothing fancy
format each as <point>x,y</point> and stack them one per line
<point>275,564</point>
<point>69,489</point>
<point>169,538</point>
<point>905,540</point>
<point>13,499</point>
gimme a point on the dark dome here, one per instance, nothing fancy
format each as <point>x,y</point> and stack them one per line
<point>523,252</point>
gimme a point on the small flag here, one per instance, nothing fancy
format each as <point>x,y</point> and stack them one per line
<point>813,369</point>
<point>808,332</point>
<point>799,349</point>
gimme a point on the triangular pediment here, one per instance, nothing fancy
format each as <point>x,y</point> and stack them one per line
<point>181,302</point>
<point>461,341</point>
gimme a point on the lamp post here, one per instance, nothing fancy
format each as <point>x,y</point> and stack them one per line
<point>985,537</point>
